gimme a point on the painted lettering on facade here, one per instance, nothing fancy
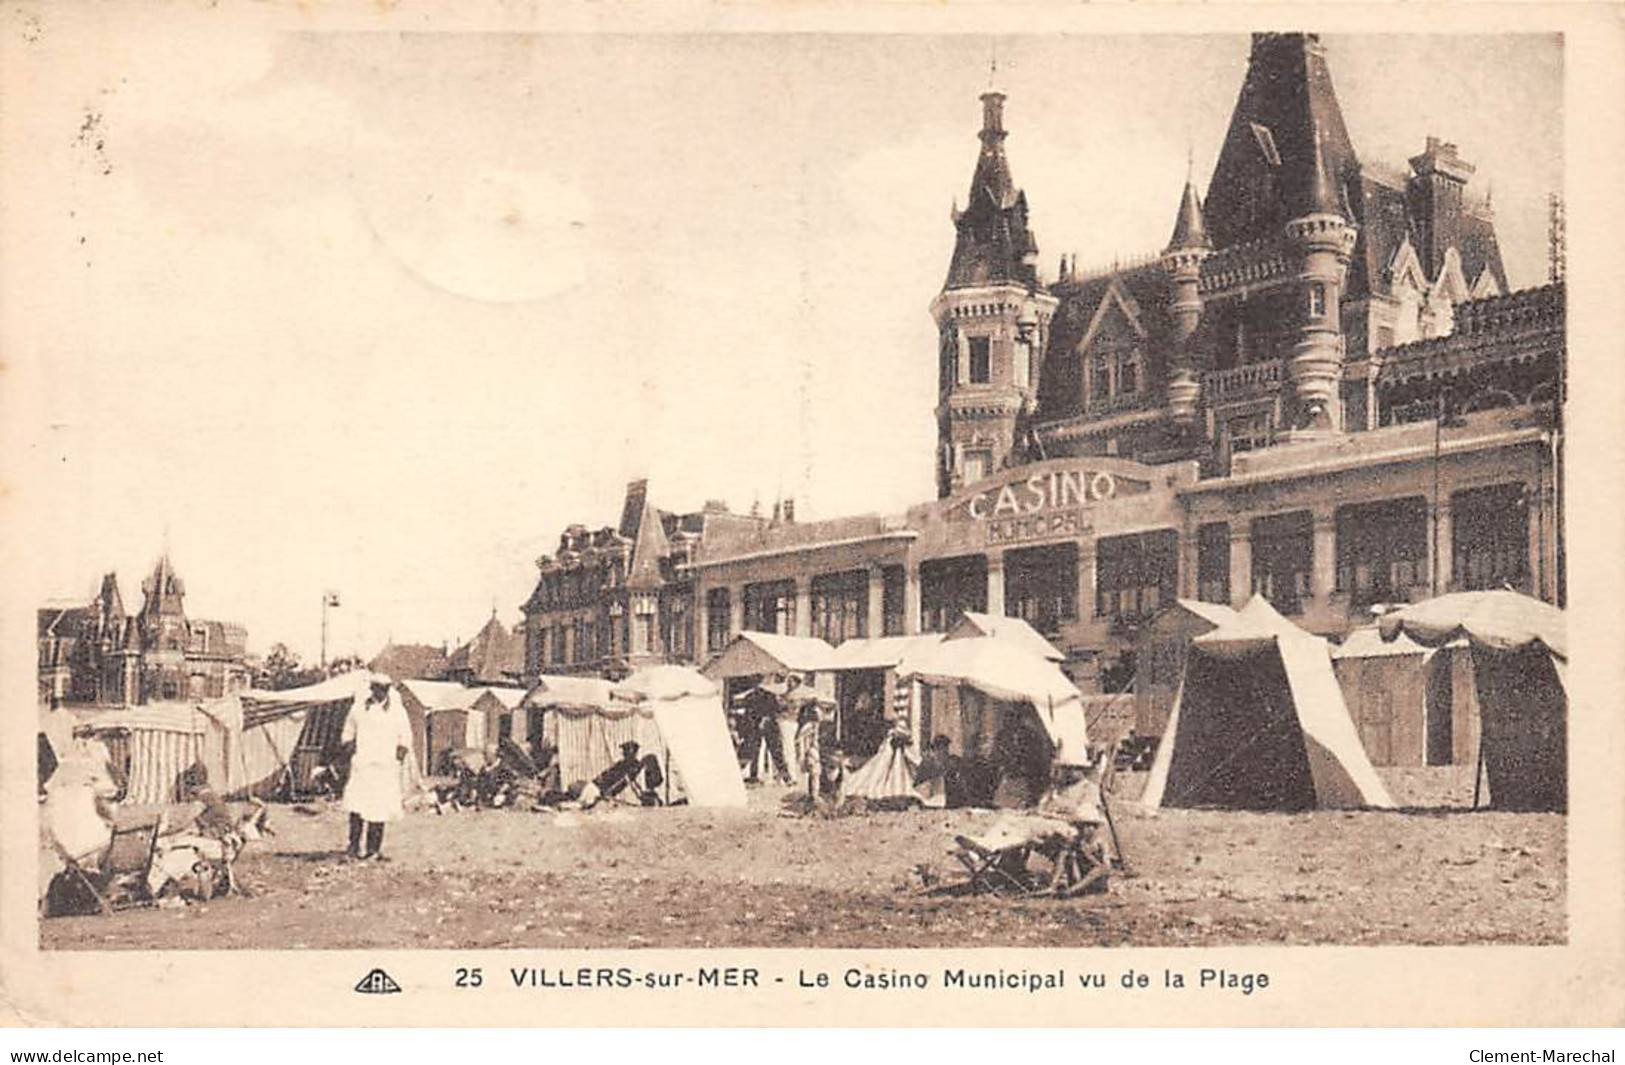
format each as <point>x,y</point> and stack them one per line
<point>1054,524</point>
<point>1043,493</point>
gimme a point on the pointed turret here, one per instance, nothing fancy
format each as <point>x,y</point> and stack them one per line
<point>994,243</point>
<point>1287,141</point>
<point>1190,229</point>
<point>648,549</point>
<point>1187,249</point>
<point>1323,237</point>
<point>1320,193</point>
<point>163,592</point>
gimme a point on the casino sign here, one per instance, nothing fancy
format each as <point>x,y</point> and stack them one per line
<point>1042,504</point>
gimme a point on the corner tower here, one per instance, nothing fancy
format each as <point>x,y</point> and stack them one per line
<point>993,318</point>
<point>1323,238</point>
<point>1188,248</point>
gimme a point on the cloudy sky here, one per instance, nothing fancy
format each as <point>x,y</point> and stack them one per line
<point>383,312</point>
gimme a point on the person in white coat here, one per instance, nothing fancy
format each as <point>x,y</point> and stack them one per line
<point>379,738</point>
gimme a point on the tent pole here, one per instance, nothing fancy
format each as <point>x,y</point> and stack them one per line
<point>1478,765</point>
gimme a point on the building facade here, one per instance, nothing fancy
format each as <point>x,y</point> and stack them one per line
<point>620,596</point>
<point>1319,391</point>
<point>97,654</point>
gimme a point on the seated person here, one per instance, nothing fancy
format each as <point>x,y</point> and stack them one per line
<point>832,774</point>
<point>945,778</point>
<point>623,774</point>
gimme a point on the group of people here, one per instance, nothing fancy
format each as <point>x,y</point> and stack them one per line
<point>754,722</point>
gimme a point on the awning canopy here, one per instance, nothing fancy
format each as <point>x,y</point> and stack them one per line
<point>1011,630</point>
<point>338,688</point>
<point>564,691</point>
<point>1367,642</point>
<point>753,654</point>
<point>881,652</point>
<point>1502,620</point>
<point>665,682</point>
<point>1013,673</point>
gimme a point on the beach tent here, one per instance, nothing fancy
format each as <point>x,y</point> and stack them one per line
<point>687,710</point>
<point>888,776</point>
<point>1385,688</point>
<point>1159,657</point>
<point>756,654</point>
<point>1010,673</point>
<point>868,690</point>
<point>498,706</point>
<point>1413,705</point>
<point>1259,723</point>
<point>150,747</point>
<point>556,692</point>
<point>1011,630</point>
<point>294,730</point>
<point>446,716</point>
<point>672,712</point>
<point>1519,652</point>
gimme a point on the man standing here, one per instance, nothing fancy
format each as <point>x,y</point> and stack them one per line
<point>378,737</point>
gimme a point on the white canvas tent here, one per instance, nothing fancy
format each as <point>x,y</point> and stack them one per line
<point>1008,672</point>
<point>672,712</point>
<point>1259,723</point>
<point>1519,650</point>
<point>687,710</point>
<point>755,654</point>
<point>1011,630</point>
<point>295,728</point>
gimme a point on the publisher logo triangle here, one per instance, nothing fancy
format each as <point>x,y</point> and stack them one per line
<point>377,982</point>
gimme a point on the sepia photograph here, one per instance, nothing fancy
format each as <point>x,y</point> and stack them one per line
<point>726,491</point>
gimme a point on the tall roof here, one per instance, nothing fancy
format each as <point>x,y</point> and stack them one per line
<point>163,591</point>
<point>993,243</point>
<point>489,658</point>
<point>1190,231</point>
<point>1267,168</point>
<point>649,548</point>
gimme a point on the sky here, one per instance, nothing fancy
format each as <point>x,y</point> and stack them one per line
<point>382,313</point>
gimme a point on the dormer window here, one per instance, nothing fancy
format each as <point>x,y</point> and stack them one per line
<point>1100,384</point>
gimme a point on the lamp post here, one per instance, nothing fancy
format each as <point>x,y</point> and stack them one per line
<point>1442,419</point>
<point>329,599</point>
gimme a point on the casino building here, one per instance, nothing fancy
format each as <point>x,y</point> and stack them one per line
<point>1320,391</point>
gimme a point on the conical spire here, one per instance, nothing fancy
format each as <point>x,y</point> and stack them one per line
<point>1321,190</point>
<point>992,177</point>
<point>1190,230</point>
<point>994,243</point>
<point>648,549</point>
<point>163,590</point>
<point>1286,146</point>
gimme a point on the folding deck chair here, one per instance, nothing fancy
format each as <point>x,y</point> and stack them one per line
<point>118,880</point>
<point>1077,861</point>
<point>1000,871</point>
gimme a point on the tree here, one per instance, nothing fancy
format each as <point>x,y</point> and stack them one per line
<point>281,670</point>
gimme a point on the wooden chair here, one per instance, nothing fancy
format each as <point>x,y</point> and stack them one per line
<point>1000,871</point>
<point>1077,864</point>
<point>118,881</point>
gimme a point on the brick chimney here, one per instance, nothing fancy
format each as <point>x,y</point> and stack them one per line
<point>1434,192</point>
